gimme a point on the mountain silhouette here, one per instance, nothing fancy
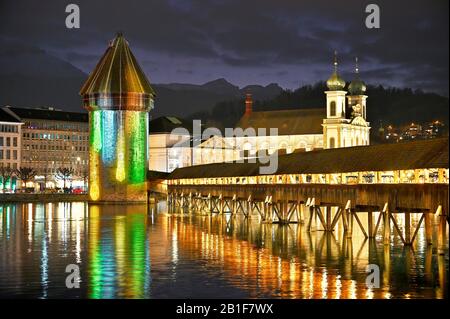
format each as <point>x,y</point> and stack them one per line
<point>30,77</point>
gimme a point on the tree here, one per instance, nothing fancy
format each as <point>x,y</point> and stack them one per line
<point>25,174</point>
<point>64,174</point>
<point>85,176</point>
<point>5,173</point>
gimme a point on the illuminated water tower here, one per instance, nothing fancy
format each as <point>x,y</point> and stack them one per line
<point>118,97</point>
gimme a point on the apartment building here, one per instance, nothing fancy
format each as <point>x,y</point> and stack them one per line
<point>10,149</point>
<point>52,139</point>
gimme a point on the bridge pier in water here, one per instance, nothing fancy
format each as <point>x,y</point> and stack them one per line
<point>291,206</point>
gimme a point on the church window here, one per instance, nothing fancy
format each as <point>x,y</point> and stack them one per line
<point>333,108</point>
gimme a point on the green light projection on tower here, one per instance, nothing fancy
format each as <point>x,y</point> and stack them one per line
<point>137,121</point>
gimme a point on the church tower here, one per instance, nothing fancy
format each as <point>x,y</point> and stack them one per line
<point>359,129</point>
<point>357,98</point>
<point>336,115</point>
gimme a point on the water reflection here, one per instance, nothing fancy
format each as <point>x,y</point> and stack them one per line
<point>146,252</point>
<point>119,261</point>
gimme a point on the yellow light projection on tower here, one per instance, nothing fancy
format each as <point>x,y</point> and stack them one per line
<point>118,97</point>
<point>120,170</point>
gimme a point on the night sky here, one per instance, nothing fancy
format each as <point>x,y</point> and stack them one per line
<point>246,41</point>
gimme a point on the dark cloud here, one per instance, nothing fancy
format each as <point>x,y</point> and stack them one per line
<point>185,71</point>
<point>244,39</point>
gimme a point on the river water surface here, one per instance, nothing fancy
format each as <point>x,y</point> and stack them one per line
<point>147,252</point>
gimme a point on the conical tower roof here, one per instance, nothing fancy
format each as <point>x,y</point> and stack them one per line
<point>117,72</point>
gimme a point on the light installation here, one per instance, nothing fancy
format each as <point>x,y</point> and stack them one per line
<point>118,97</point>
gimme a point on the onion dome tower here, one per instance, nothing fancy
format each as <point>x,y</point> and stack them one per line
<point>118,97</point>
<point>335,82</point>
<point>335,121</point>
<point>357,98</point>
<point>335,93</point>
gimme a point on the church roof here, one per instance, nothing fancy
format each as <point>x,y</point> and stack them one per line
<point>288,122</point>
<point>117,72</point>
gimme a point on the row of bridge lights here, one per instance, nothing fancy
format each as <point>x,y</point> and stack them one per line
<point>418,176</point>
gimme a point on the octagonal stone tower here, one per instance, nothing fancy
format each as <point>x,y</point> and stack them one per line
<point>118,97</point>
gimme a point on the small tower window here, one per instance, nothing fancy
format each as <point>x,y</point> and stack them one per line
<point>332,142</point>
<point>333,108</point>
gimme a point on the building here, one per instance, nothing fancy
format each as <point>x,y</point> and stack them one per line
<point>51,139</point>
<point>10,139</point>
<point>413,131</point>
<point>118,96</point>
<point>10,149</point>
<point>169,143</point>
<point>341,123</point>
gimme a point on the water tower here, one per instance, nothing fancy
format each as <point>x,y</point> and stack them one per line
<point>118,97</point>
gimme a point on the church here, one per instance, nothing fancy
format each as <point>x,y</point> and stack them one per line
<point>342,123</point>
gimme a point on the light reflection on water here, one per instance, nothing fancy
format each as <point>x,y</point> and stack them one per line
<point>144,252</point>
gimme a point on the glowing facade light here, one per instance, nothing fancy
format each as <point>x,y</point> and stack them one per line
<point>94,190</point>
<point>120,170</point>
<point>109,136</point>
<point>96,131</point>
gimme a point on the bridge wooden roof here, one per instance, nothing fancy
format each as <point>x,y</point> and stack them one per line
<point>431,153</point>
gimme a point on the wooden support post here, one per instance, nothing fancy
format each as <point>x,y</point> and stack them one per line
<point>428,263</point>
<point>349,222</point>
<point>344,218</point>
<point>311,216</point>
<point>190,201</point>
<point>407,228</point>
<point>387,264</point>
<point>442,235</point>
<point>321,218</point>
<point>380,216</point>
<point>248,207</point>
<point>386,225</point>
<point>360,224</point>
<point>428,228</point>
<point>300,213</point>
<point>221,203</point>
<point>328,217</point>
<point>370,224</point>
<point>210,204</point>
<point>282,215</point>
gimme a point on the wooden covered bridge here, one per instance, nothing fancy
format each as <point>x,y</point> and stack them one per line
<point>332,186</point>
